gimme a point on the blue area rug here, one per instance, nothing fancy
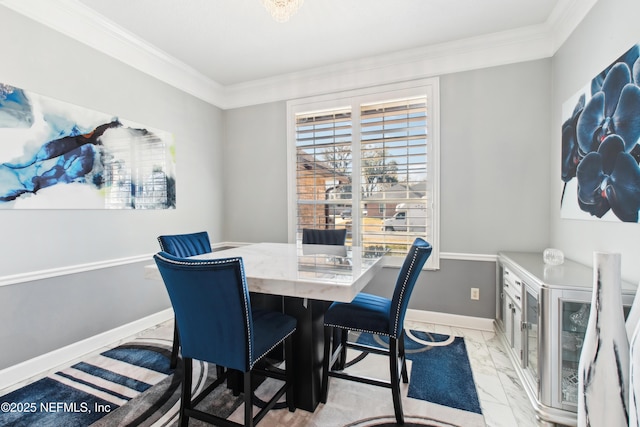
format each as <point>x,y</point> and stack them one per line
<point>439,374</point>
<point>87,391</point>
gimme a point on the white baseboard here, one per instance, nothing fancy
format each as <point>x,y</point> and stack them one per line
<point>478,323</point>
<point>56,359</point>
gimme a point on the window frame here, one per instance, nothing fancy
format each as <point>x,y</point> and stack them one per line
<point>353,99</point>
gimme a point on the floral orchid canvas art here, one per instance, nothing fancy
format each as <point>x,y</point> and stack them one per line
<point>600,152</point>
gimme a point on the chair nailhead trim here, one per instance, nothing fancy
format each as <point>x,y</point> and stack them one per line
<point>400,298</point>
<point>409,270</point>
<point>204,261</point>
<point>360,330</point>
<point>274,346</point>
<point>244,282</point>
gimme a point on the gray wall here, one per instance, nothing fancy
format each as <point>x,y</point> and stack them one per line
<point>609,30</point>
<point>494,159</point>
<point>56,312</point>
<point>255,165</point>
<point>44,315</point>
<point>494,179</point>
<point>447,290</point>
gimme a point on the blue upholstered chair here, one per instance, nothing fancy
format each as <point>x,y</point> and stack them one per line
<point>218,325</point>
<point>377,315</point>
<point>311,236</point>
<point>183,245</point>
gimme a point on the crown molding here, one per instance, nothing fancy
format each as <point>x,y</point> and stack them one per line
<point>81,23</point>
<point>520,45</point>
<point>564,19</point>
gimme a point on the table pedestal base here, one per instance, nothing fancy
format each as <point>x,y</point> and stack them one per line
<point>308,345</point>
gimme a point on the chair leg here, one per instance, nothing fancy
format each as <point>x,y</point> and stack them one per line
<point>342,360</point>
<point>289,376</point>
<point>176,346</point>
<point>248,401</point>
<point>336,336</point>
<point>185,402</point>
<point>403,359</point>
<point>328,334</point>
<point>395,379</point>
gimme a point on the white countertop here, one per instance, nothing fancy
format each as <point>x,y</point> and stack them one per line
<point>330,273</point>
<point>568,275</point>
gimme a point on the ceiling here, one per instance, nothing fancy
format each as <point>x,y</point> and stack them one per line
<point>233,41</point>
<point>223,45</point>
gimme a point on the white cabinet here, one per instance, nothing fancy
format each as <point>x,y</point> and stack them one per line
<point>512,309</point>
<point>541,315</point>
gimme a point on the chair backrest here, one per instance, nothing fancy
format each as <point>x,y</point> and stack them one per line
<point>311,236</point>
<point>185,245</point>
<point>212,307</point>
<point>411,268</point>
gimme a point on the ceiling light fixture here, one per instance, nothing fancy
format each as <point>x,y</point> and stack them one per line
<point>282,10</point>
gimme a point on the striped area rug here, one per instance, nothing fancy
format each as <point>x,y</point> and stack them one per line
<point>89,390</point>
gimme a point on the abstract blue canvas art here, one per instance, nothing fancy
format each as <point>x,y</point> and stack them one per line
<point>56,155</point>
<point>600,151</point>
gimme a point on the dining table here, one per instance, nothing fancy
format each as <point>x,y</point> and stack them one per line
<point>302,281</point>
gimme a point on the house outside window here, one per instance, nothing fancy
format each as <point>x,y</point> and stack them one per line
<point>367,161</point>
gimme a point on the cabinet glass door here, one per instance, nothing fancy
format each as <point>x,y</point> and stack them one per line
<point>531,332</point>
<point>575,316</point>
<point>517,331</point>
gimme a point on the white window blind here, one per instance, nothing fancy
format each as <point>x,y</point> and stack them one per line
<point>369,165</point>
<point>394,173</point>
<point>323,168</point>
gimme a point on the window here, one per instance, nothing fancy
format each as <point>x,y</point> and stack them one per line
<point>367,161</point>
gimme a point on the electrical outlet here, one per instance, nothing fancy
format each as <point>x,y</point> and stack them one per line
<point>475,294</point>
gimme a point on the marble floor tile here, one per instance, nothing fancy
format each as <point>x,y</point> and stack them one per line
<point>498,415</point>
<point>502,398</point>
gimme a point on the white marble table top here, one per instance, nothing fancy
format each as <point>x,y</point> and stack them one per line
<point>330,273</point>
